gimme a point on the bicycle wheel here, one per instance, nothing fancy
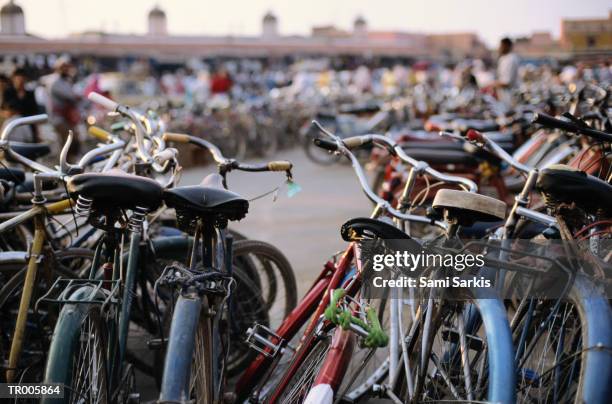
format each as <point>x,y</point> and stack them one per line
<point>563,350</point>
<point>77,355</point>
<point>273,274</point>
<point>297,387</point>
<point>201,383</point>
<point>246,309</point>
<point>265,139</point>
<point>457,351</point>
<point>69,263</point>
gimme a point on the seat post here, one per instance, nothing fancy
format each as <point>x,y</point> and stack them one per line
<point>208,243</point>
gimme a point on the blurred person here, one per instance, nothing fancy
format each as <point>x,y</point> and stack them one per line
<point>220,82</point>
<point>507,71</point>
<point>24,100</point>
<point>5,83</point>
<point>362,79</point>
<point>401,76</point>
<point>466,78</point>
<point>63,104</point>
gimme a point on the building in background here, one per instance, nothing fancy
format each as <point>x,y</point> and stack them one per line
<point>12,20</point>
<point>457,45</point>
<point>269,26</point>
<point>360,28</point>
<point>587,36</point>
<point>539,45</point>
<point>158,26</point>
<point>578,38</point>
<point>160,44</point>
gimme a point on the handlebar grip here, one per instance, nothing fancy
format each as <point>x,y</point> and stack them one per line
<point>103,101</point>
<point>474,136</point>
<point>550,122</point>
<point>326,144</point>
<point>281,165</point>
<point>99,133</point>
<point>356,141</point>
<point>175,137</point>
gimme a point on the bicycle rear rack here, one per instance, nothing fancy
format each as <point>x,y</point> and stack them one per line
<point>260,338</point>
<point>102,292</point>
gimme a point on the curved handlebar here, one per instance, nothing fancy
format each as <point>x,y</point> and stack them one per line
<point>395,149</point>
<point>554,123</point>
<point>481,140</point>
<point>136,118</point>
<point>103,101</point>
<point>223,162</point>
<point>363,181</point>
<point>27,120</point>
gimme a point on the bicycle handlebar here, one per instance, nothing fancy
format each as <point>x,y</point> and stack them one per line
<point>99,133</point>
<point>554,123</point>
<point>395,149</point>
<point>103,101</point>
<point>27,120</point>
<point>326,144</point>
<point>481,140</point>
<point>222,161</point>
<point>131,115</point>
<point>363,181</point>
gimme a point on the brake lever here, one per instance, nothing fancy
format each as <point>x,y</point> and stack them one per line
<point>337,139</point>
<point>65,167</point>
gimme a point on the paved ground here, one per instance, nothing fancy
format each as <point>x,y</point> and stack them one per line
<point>306,227</point>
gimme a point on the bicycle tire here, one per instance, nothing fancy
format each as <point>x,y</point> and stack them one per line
<point>586,308</point>
<point>67,355</point>
<point>9,301</point>
<point>297,387</point>
<point>481,316</point>
<point>272,255</point>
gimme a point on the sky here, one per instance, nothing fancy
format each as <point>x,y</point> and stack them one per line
<point>492,19</point>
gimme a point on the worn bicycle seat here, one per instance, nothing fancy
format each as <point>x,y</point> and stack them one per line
<point>561,183</point>
<point>468,207</point>
<point>208,198</point>
<point>360,227</point>
<point>31,151</point>
<point>116,189</point>
<point>11,174</point>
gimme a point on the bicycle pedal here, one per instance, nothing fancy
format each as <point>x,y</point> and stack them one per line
<point>155,344</point>
<point>451,335</point>
<point>260,338</point>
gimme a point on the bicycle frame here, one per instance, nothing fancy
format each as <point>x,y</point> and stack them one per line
<point>38,214</point>
<point>316,300</point>
<point>216,253</point>
<point>310,307</point>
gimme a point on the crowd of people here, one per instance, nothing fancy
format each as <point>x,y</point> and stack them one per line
<point>28,90</point>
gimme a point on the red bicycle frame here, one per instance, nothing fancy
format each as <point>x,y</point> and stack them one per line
<point>311,307</point>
